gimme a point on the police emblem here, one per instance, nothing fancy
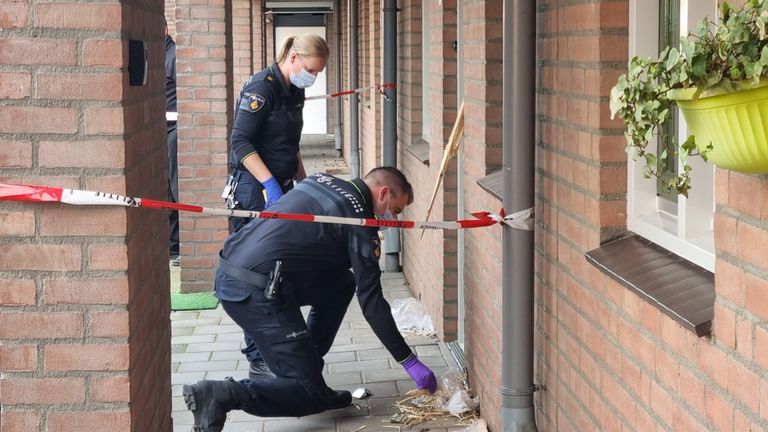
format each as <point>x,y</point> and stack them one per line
<point>256,102</point>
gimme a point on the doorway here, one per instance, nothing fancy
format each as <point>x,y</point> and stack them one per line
<point>315,111</point>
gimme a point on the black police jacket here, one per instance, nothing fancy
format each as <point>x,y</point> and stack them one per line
<point>268,121</point>
<point>318,247</point>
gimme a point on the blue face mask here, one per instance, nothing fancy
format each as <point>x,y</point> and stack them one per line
<point>387,215</point>
<point>304,79</point>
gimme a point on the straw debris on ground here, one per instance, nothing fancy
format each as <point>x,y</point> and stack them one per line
<point>420,406</point>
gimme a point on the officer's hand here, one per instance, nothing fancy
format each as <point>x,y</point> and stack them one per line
<point>421,375</point>
<point>273,191</point>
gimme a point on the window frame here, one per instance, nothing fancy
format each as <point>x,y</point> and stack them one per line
<point>686,227</point>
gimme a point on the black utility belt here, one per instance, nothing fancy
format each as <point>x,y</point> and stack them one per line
<point>272,283</point>
<point>284,182</point>
<point>243,275</point>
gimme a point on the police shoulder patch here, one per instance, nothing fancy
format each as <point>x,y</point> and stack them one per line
<point>252,102</point>
<point>256,102</point>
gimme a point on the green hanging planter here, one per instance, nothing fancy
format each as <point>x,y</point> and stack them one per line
<point>735,123</point>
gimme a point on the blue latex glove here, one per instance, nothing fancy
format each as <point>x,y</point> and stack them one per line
<point>273,191</point>
<point>421,375</point>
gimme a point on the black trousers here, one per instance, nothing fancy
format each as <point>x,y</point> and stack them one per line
<point>250,195</point>
<point>293,348</point>
<point>173,188</point>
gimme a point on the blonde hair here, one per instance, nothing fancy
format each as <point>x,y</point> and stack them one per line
<point>306,44</point>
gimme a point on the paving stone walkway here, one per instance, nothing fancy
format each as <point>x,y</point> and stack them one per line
<point>206,345</point>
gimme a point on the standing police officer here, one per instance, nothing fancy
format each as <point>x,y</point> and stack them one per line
<point>265,156</point>
<point>315,271</point>
<point>173,148</point>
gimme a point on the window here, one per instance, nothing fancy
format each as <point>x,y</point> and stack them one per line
<point>681,225</point>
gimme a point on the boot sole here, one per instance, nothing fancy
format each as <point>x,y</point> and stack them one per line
<point>189,399</point>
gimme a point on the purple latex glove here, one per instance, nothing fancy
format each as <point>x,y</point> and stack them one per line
<point>421,375</point>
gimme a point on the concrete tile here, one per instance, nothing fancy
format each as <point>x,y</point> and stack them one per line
<point>194,322</point>
<point>177,403</point>
<point>208,366</point>
<point>384,375</point>
<point>184,315</point>
<point>190,357</point>
<point>339,357</point>
<point>428,351</point>
<point>359,366</point>
<point>182,331</point>
<point>355,347</point>
<point>340,379</point>
<point>301,424</point>
<point>218,329</point>
<point>227,355</point>
<point>194,339</point>
<point>377,353</point>
<point>182,418</point>
<point>377,390</point>
<point>213,346</point>
<point>186,377</point>
<point>249,426</point>
<point>365,340</point>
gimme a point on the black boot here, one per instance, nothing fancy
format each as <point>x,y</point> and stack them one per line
<point>259,370</point>
<point>339,399</point>
<point>210,401</point>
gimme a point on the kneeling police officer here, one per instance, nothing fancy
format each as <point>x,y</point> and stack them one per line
<point>313,262</point>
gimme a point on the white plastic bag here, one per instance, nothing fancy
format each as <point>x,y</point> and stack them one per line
<point>409,316</point>
<point>461,402</point>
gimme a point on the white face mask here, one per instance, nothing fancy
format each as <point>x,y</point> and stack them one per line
<point>304,79</point>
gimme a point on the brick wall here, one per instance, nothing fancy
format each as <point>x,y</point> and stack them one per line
<point>246,26</point>
<point>170,17</point>
<point>609,359</point>
<point>582,318</point>
<point>371,52</point>
<point>205,105</point>
<point>432,275</point>
<point>483,35</point>
<point>84,328</point>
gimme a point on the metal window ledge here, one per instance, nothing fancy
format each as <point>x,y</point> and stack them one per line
<point>680,289</point>
<point>493,183</point>
<point>420,149</point>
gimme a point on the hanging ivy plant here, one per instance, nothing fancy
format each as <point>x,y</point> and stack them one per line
<point>722,55</point>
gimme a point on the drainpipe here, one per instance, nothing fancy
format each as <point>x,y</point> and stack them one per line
<point>337,134</point>
<point>392,235</point>
<point>354,145</point>
<point>517,411</point>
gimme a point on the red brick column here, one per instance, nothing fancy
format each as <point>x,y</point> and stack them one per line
<point>205,107</point>
<point>84,302</point>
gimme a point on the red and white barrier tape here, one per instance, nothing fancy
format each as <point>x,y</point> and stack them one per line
<point>30,193</point>
<point>380,88</point>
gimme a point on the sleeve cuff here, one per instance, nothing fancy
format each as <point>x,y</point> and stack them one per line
<point>247,156</point>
